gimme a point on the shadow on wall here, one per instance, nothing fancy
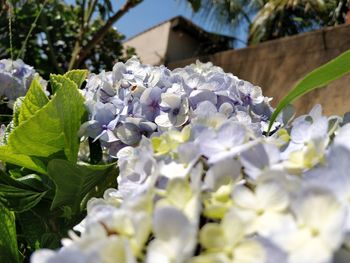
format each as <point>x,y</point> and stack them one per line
<point>277,65</point>
<point>176,39</point>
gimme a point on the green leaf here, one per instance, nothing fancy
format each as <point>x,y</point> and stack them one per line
<point>33,181</point>
<point>58,81</point>
<point>78,76</point>
<point>50,240</point>
<point>53,128</point>
<point>100,188</point>
<point>33,224</point>
<point>34,100</point>
<point>17,199</point>
<point>20,195</point>
<point>16,111</point>
<point>8,242</point>
<point>7,156</point>
<point>15,119</point>
<point>73,181</point>
<point>318,78</point>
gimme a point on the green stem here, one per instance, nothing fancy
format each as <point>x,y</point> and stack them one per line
<point>10,27</point>
<point>22,51</point>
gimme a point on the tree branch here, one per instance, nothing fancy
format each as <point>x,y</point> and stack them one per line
<point>99,35</point>
<point>79,40</point>
<point>51,53</point>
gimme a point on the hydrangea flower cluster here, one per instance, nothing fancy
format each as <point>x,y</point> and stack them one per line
<point>15,79</point>
<point>214,189</point>
<point>135,100</point>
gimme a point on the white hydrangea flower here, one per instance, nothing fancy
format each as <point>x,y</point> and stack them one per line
<point>265,209</point>
<point>199,180</point>
<point>175,237</point>
<point>319,228</point>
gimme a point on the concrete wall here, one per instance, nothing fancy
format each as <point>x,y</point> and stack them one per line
<point>165,42</point>
<point>151,46</point>
<point>277,65</point>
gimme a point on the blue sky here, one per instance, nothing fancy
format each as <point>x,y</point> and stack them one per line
<point>152,12</point>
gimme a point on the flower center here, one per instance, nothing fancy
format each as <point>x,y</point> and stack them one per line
<point>176,111</point>
<point>315,232</point>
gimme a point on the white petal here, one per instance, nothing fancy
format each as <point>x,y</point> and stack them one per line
<point>170,100</point>
<point>163,121</point>
<point>271,196</point>
<point>245,198</point>
<point>222,173</point>
<point>171,223</point>
<point>249,252</point>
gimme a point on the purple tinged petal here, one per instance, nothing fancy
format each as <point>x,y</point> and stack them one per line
<point>104,113</point>
<point>231,134</point>
<point>129,133</point>
<point>198,96</point>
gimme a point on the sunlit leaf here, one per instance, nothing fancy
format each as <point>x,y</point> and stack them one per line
<point>78,76</point>
<point>32,163</point>
<point>53,128</point>
<point>318,78</point>
<point>34,100</point>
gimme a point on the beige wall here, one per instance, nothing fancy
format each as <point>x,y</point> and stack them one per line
<point>151,46</point>
<point>277,65</point>
<point>162,44</point>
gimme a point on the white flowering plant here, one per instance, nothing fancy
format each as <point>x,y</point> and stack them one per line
<point>193,165</point>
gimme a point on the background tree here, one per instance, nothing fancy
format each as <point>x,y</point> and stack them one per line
<point>279,18</point>
<point>65,36</point>
<point>271,19</point>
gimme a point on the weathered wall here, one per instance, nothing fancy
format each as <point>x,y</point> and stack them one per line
<point>151,51</point>
<point>277,65</point>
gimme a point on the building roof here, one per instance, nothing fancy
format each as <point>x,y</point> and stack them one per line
<point>184,24</point>
<point>176,39</point>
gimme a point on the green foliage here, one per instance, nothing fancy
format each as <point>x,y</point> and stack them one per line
<point>74,181</point>
<point>271,19</point>
<point>8,242</point>
<point>40,228</point>
<point>318,78</point>
<point>22,194</point>
<point>78,76</point>
<point>59,28</point>
<point>61,118</point>
<point>33,101</point>
<point>22,160</point>
<point>42,182</point>
<point>281,18</point>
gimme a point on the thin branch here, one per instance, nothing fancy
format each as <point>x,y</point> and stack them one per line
<point>51,50</point>
<point>8,5</point>
<point>22,51</point>
<point>91,9</point>
<point>246,16</point>
<point>82,28</point>
<point>100,34</point>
